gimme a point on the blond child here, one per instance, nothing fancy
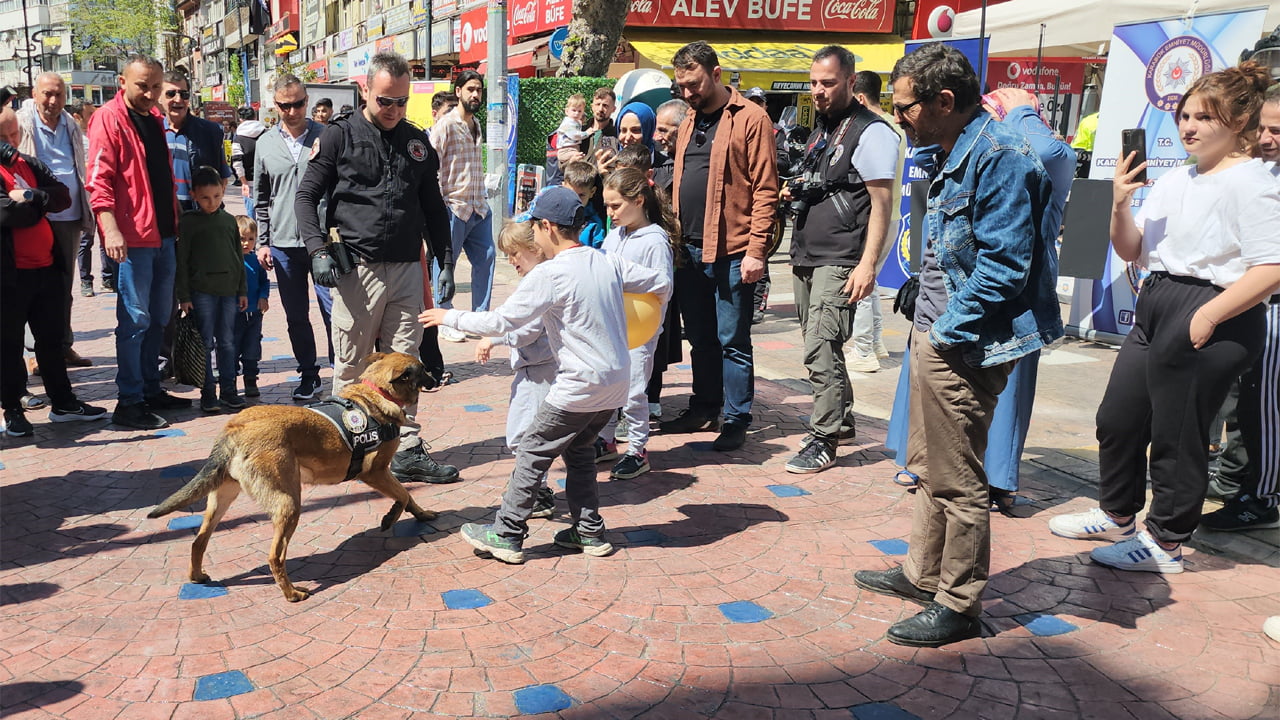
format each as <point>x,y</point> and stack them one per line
<point>570,131</point>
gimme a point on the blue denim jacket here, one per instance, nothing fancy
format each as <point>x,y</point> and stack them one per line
<point>991,234</point>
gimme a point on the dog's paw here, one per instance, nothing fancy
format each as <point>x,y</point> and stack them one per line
<point>424,516</point>
<point>296,595</point>
<point>201,578</point>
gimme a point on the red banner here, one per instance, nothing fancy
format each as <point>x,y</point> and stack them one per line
<point>865,16</point>
<point>1064,75</point>
<point>473,35</point>
<point>534,17</point>
<point>935,18</point>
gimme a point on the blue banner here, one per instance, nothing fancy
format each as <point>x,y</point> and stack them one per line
<point>1150,66</point>
<point>513,117</point>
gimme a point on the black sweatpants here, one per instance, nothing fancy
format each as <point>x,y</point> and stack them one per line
<point>36,297</point>
<point>1260,416</point>
<point>1164,393</point>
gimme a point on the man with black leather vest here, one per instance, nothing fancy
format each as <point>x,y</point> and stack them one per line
<point>842,199</point>
<point>381,177</point>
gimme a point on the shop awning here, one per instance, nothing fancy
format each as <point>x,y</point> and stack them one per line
<point>523,57</point>
<point>776,66</point>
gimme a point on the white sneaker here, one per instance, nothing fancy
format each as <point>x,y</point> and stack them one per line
<point>1271,626</point>
<point>1090,525</point>
<point>448,334</point>
<point>864,363</point>
<point>882,352</point>
<point>655,411</point>
<point>1139,553</point>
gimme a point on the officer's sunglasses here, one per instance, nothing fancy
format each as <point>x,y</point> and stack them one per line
<point>387,102</point>
<point>295,105</point>
<point>185,94</point>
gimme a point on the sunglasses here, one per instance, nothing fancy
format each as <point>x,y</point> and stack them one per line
<point>700,132</point>
<point>184,94</point>
<point>902,109</point>
<point>295,105</point>
<point>387,102</point>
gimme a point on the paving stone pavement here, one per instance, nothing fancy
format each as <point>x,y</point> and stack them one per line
<point>730,594</point>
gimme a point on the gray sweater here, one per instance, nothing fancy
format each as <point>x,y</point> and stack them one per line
<point>276,176</point>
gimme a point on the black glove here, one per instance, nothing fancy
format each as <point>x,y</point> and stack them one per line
<point>445,283</point>
<point>323,270</point>
<point>905,302</point>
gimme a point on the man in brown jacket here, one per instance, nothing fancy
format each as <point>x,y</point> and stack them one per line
<point>725,194</point>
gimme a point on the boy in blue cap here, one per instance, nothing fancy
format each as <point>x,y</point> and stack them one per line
<point>577,292</point>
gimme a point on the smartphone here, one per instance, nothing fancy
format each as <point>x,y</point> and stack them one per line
<point>609,143</point>
<point>1134,140</point>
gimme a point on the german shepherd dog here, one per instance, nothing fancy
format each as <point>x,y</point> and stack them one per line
<point>271,451</point>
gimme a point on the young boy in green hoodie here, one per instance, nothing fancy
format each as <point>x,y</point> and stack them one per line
<point>211,279</point>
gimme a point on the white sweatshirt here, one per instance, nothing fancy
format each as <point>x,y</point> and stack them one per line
<point>578,294</point>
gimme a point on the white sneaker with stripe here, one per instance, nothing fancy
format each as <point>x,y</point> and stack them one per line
<point>1140,553</point>
<point>1092,524</point>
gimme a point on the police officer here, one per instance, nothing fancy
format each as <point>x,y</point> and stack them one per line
<point>381,177</point>
<point>843,198</point>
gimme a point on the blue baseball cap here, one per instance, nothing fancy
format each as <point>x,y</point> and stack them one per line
<point>558,204</point>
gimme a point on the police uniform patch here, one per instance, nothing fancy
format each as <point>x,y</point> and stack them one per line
<point>315,148</point>
<point>417,150</point>
<point>836,152</point>
<point>355,420</point>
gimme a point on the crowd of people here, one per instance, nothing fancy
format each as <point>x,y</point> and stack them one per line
<point>370,212</point>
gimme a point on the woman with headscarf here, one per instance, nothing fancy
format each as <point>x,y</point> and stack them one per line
<point>635,124</point>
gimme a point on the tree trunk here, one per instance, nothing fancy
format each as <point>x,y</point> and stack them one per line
<point>593,37</point>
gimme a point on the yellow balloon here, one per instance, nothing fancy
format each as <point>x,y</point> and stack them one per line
<point>644,317</point>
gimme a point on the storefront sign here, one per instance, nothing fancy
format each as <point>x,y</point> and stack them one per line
<point>321,69</point>
<point>346,40</point>
<point>442,37</point>
<point>866,16</point>
<point>1060,88</point>
<point>399,18</point>
<point>532,17</point>
<point>287,23</point>
<point>473,35</point>
<point>421,10</point>
<point>358,61</point>
<point>404,45</point>
<point>386,44</point>
<point>337,67</point>
<point>373,27</point>
<point>213,79</point>
<point>218,93</point>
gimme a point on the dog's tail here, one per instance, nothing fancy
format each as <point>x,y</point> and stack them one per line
<point>205,481</point>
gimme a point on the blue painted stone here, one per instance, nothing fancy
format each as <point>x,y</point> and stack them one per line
<point>477,408</point>
<point>170,432</point>
<point>542,699</point>
<point>281,357</point>
<point>222,685</point>
<point>465,599</point>
<point>270,339</point>
<point>412,528</point>
<point>787,490</point>
<point>1,466</point>
<point>881,711</point>
<point>195,591</point>
<point>293,378</point>
<point>1045,625</point>
<point>744,611</point>
<point>561,482</point>
<point>891,547</point>
<point>186,522</point>
<point>685,366</point>
<point>644,537</point>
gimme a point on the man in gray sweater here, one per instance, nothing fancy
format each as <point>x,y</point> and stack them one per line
<point>278,167</point>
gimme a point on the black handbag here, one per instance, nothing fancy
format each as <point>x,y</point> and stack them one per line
<point>905,302</point>
<point>189,352</point>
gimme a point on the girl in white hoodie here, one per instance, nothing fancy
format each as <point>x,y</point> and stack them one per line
<point>642,232</point>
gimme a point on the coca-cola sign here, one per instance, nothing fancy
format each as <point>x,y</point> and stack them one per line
<point>868,16</point>
<point>534,17</point>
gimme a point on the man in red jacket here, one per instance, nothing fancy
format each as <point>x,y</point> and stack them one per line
<point>131,191</point>
<point>31,291</point>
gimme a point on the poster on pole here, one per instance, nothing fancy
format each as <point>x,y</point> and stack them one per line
<point>897,267</point>
<point>1151,66</point>
<point>513,118</point>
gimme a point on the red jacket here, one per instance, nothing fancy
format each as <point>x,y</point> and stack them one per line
<point>118,180</point>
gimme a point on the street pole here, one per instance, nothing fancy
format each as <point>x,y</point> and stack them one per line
<point>496,115</point>
<point>26,41</point>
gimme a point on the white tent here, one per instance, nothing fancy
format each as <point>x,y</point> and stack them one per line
<point>1082,27</point>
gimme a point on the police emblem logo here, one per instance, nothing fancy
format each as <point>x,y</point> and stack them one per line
<point>1173,67</point>
<point>417,150</point>
<point>836,153</point>
<point>355,421</point>
<point>315,148</point>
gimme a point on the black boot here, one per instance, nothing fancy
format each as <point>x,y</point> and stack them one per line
<point>415,465</point>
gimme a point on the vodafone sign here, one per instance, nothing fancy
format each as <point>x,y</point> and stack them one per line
<point>868,16</point>
<point>473,35</point>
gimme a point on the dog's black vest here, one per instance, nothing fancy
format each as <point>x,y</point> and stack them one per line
<point>353,424</point>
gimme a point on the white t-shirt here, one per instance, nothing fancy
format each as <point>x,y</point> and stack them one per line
<point>578,295</point>
<point>1211,227</point>
<point>876,156</point>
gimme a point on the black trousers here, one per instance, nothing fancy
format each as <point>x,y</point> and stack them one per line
<point>1163,394</point>
<point>1260,417</point>
<point>38,298</point>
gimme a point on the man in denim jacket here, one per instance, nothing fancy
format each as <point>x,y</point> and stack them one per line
<point>986,299</point>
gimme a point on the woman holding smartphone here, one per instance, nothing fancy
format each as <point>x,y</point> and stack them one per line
<point>1208,235</point>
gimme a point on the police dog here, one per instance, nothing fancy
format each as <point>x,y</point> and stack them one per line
<point>271,451</point>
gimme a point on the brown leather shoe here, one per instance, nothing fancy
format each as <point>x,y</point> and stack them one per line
<point>33,368</point>
<point>74,359</point>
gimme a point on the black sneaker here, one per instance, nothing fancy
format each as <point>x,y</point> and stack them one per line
<point>86,289</point>
<point>544,504</point>
<point>232,400</point>
<point>164,401</point>
<point>606,451</point>
<point>16,423</point>
<point>108,285</point>
<point>689,421</point>
<point>1221,488</point>
<point>631,466</point>
<point>415,465</point>
<point>79,411</point>
<point>592,545</point>
<point>732,437</point>
<point>1247,514</point>
<point>137,416</point>
<point>484,539</point>
<point>845,437</point>
<point>815,457</point>
<point>210,404</point>
<point>251,388</point>
<point>935,626</point>
<point>307,389</point>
